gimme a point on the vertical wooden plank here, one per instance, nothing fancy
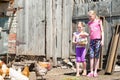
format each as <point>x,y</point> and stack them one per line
<point>49,29</point>
<point>117,52</point>
<point>41,26</point>
<point>30,28</point>
<point>38,25</point>
<point>58,16</point>
<point>65,28</point>
<point>33,31</point>
<point>26,24</point>
<point>70,27</point>
<point>20,27</point>
<point>54,33</point>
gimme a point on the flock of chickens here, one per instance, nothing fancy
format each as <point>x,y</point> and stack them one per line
<point>40,69</point>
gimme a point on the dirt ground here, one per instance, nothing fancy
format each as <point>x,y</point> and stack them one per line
<point>69,74</point>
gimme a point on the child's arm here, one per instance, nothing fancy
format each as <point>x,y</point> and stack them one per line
<point>73,41</point>
<point>85,34</point>
<point>102,31</point>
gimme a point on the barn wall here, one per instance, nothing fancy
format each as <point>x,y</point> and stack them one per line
<point>31,27</point>
<point>44,27</point>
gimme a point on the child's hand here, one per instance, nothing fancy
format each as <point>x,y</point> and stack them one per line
<point>82,44</point>
<point>102,43</point>
<point>75,42</point>
<point>82,36</point>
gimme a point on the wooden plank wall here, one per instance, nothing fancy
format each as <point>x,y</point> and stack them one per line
<point>58,26</point>
<point>44,28</point>
<point>31,27</point>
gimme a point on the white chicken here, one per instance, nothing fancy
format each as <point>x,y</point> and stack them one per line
<point>15,75</point>
<point>1,78</point>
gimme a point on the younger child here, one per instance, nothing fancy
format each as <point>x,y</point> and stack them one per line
<point>80,41</point>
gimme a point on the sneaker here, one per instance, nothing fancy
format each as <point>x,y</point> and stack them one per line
<point>90,74</point>
<point>95,74</point>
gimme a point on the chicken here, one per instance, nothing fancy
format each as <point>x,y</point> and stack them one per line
<point>1,71</point>
<point>1,78</point>
<point>26,71</point>
<point>41,71</point>
<point>15,75</point>
<point>1,63</point>
<point>5,70</point>
<point>45,65</point>
<point>11,1</point>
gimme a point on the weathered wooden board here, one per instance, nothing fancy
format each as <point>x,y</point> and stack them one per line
<point>45,28</point>
<point>20,29</point>
<point>115,7</point>
<point>113,51</point>
<point>40,27</point>
<point>104,8</point>
<point>71,29</point>
<point>49,29</point>
<point>65,29</point>
<point>93,6</point>
<point>58,24</point>
<point>54,55</point>
<point>80,10</point>
<point>31,22</point>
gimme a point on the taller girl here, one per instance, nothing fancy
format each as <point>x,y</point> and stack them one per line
<point>96,41</point>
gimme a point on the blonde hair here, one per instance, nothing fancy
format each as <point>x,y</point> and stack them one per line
<point>81,23</point>
<point>93,13</point>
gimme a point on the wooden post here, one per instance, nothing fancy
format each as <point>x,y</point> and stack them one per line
<point>112,55</point>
